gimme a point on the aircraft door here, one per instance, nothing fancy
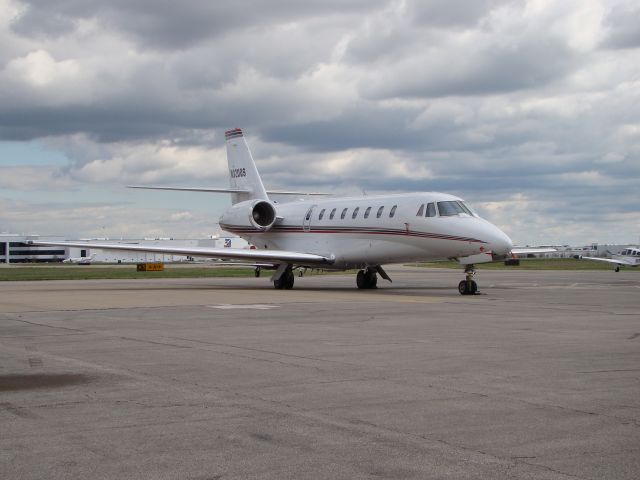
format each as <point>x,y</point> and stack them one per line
<point>306,223</point>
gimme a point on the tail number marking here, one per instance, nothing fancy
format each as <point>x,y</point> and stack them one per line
<point>238,172</point>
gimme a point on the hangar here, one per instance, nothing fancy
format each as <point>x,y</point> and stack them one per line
<point>16,249</point>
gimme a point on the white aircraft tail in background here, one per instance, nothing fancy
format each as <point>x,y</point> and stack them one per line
<point>340,233</point>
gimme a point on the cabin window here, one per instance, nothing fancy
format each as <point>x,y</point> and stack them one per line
<point>367,212</point>
<point>420,211</point>
<point>308,214</point>
<point>393,211</point>
<point>380,210</point>
<point>332,214</point>
<point>321,214</point>
<point>431,210</point>
<point>344,214</point>
<point>355,212</point>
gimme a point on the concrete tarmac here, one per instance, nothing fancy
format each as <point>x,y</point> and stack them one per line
<point>536,378</point>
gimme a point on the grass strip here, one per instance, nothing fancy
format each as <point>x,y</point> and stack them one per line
<point>95,272</point>
<point>532,264</point>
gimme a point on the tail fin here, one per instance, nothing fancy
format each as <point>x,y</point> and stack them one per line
<point>243,173</point>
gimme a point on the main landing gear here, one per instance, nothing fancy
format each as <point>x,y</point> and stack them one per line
<point>367,278</point>
<point>285,280</point>
<point>468,286</point>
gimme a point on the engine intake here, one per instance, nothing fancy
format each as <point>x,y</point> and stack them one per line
<point>256,214</point>
<point>263,215</point>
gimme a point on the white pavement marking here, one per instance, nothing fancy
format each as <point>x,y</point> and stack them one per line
<point>244,307</point>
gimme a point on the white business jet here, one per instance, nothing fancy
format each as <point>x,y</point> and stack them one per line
<point>629,257</point>
<point>340,233</point>
<point>80,260</point>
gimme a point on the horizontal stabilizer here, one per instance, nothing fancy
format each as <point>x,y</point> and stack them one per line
<point>227,190</point>
<point>275,256</point>
<point>193,189</point>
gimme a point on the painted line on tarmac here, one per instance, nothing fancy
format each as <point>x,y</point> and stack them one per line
<point>227,306</point>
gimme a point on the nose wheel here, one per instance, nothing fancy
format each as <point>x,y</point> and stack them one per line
<point>468,286</point>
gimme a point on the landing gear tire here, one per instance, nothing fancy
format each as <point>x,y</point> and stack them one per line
<point>257,272</point>
<point>286,281</point>
<point>467,287</point>
<point>617,269</point>
<point>367,279</point>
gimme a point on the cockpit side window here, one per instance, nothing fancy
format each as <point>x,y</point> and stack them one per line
<point>420,211</point>
<point>431,210</point>
<point>465,208</point>
<point>449,209</point>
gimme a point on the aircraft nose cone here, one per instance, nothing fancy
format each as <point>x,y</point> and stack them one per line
<point>500,244</point>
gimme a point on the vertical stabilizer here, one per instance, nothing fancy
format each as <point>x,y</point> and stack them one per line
<point>242,169</point>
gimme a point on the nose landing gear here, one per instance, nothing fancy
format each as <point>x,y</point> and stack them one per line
<point>468,286</point>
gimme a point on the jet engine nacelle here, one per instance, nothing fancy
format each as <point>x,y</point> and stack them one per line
<point>259,214</point>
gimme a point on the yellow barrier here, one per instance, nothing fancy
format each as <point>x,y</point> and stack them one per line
<point>150,267</point>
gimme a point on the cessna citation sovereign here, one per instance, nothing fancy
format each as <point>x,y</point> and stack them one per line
<point>340,233</point>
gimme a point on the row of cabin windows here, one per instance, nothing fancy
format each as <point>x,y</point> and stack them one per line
<point>446,209</point>
<point>354,215</point>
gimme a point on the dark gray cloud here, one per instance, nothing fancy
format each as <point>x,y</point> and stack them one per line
<point>450,13</point>
<point>623,24</point>
<point>531,106</point>
<point>167,24</point>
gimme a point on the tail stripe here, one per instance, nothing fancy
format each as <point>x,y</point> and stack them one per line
<point>235,133</point>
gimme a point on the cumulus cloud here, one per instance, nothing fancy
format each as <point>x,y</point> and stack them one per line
<point>504,103</point>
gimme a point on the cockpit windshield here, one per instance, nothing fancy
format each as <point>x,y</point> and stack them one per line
<point>451,208</point>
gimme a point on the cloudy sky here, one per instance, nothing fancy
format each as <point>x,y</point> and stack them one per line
<point>530,110</point>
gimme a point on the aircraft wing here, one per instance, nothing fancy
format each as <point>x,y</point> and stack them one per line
<point>524,251</point>
<point>275,256</point>
<point>226,190</point>
<point>609,260</point>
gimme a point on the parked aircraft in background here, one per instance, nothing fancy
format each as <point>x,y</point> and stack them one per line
<point>340,233</point>
<point>629,257</point>
<point>80,260</point>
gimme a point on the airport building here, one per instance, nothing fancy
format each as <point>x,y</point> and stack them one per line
<point>16,249</point>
